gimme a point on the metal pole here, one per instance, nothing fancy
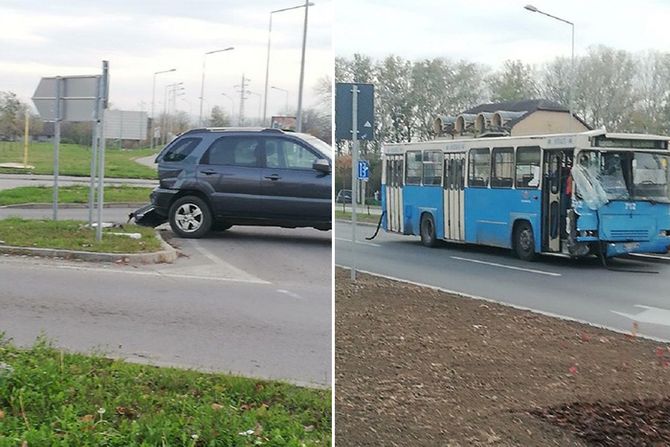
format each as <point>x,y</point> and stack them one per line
<point>354,169</point>
<point>267,75</point>
<point>153,118</point>
<point>572,76</point>
<point>101,153</point>
<point>56,145</point>
<point>202,88</point>
<point>302,70</point>
<point>26,136</point>
<point>94,152</point>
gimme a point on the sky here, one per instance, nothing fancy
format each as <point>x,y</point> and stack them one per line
<point>491,31</point>
<point>138,38</point>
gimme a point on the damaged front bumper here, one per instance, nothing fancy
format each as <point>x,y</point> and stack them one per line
<point>147,216</point>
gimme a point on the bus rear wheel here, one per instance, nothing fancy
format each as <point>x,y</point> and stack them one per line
<point>428,231</point>
<point>524,241</point>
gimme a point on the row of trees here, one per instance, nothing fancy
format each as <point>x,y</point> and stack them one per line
<point>626,92</point>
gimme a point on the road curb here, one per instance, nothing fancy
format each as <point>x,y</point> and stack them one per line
<point>167,254</point>
<point>40,206</point>
<point>365,224</point>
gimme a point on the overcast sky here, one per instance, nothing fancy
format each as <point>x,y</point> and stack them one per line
<point>139,37</point>
<point>491,31</point>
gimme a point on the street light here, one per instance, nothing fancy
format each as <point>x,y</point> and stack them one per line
<point>267,65</point>
<point>298,116</point>
<point>260,101</point>
<point>232,106</point>
<point>202,83</point>
<point>153,102</point>
<point>532,8</point>
<point>286,92</point>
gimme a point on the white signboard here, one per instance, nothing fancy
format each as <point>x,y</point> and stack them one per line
<point>126,125</point>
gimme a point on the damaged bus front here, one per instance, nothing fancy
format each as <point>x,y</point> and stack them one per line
<point>621,200</point>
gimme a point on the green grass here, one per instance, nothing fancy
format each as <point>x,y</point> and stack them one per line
<point>53,398</point>
<point>72,194</point>
<point>76,160</point>
<point>361,216</point>
<point>72,235</point>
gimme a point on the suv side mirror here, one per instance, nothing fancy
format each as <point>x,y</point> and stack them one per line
<point>321,165</point>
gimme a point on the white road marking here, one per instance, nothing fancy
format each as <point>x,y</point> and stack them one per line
<point>158,274</point>
<point>291,294</point>
<point>503,303</point>
<point>224,268</point>
<point>651,315</point>
<point>511,267</point>
<point>358,242</point>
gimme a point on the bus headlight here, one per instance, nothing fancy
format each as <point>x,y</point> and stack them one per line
<point>664,233</point>
<point>588,233</point>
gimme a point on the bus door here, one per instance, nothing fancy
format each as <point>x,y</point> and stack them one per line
<point>394,183</point>
<point>454,186</point>
<point>554,172</point>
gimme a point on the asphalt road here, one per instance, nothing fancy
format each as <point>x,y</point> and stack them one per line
<point>576,289</point>
<point>253,301</point>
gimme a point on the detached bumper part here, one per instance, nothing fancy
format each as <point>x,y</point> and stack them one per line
<point>147,216</point>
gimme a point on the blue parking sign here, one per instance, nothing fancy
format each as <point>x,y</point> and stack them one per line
<point>363,169</point>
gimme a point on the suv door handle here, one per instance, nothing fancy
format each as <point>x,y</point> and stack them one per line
<point>208,172</point>
<point>272,177</point>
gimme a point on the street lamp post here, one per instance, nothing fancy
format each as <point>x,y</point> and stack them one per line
<point>532,8</point>
<point>267,64</point>
<point>202,82</point>
<point>153,102</point>
<point>302,71</point>
<point>260,101</point>
<point>286,92</point>
<point>232,106</point>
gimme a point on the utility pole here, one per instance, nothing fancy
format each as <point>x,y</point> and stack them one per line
<point>243,97</point>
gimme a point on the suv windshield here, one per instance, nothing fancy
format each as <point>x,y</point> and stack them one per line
<point>629,175</point>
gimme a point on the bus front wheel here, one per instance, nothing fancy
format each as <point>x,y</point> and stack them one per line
<point>428,231</point>
<point>524,241</point>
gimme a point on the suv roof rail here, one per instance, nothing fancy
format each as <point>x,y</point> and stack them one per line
<point>235,129</point>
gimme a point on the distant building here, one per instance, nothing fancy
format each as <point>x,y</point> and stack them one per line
<point>510,118</point>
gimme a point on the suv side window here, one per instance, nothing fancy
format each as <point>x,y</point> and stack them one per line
<point>181,149</point>
<point>286,154</point>
<point>233,151</point>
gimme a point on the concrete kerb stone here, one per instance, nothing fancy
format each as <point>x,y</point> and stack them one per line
<point>167,254</point>
<point>40,206</point>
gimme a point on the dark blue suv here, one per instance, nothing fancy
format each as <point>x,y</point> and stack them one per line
<point>214,178</point>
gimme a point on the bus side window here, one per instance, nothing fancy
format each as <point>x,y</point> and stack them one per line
<point>479,168</point>
<point>528,167</point>
<point>414,168</point>
<point>502,168</point>
<point>432,167</point>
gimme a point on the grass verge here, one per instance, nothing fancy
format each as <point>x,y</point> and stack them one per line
<point>76,160</point>
<point>48,397</point>
<point>71,194</point>
<point>72,235</point>
<point>361,216</point>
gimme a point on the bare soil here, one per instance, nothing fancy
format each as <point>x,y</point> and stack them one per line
<point>419,367</point>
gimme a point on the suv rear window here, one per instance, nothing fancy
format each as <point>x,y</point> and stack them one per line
<point>181,149</point>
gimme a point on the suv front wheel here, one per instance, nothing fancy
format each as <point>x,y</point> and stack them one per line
<point>190,217</point>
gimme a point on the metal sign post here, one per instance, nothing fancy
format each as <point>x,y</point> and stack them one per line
<point>354,174</point>
<point>57,119</point>
<point>104,82</point>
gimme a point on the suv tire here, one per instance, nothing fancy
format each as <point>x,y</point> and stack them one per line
<point>190,217</point>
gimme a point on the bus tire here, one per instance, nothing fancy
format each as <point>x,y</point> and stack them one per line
<point>524,241</point>
<point>428,231</point>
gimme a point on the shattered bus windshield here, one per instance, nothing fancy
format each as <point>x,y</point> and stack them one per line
<point>606,176</point>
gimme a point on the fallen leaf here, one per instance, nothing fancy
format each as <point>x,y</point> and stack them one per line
<point>216,407</point>
<point>87,418</point>
<point>2,415</point>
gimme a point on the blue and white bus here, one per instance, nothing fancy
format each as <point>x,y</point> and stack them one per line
<point>578,194</point>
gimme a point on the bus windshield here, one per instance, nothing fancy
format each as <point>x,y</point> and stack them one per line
<point>628,175</point>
